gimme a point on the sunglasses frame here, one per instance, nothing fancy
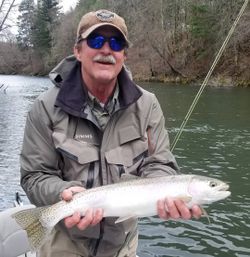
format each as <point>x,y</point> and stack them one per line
<point>118,41</point>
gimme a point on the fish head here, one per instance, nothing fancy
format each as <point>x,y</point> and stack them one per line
<point>206,190</point>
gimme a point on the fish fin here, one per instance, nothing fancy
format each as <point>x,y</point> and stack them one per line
<point>185,198</point>
<point>206,214</point>
<point>29,221</point>
<point>121,219</point>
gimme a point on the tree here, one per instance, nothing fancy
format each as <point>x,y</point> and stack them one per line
<point>11,59</point>
<point>64,37</point>
<point>202,22</point>
<point>170,38</point>
<point>46,18</point>
<point>25,23</point>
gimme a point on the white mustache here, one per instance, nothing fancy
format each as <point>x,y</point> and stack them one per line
<point>105,59</point>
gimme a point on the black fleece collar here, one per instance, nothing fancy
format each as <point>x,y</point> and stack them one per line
<point>72,97</point>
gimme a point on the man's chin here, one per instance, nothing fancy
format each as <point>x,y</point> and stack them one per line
<point>105,77</point>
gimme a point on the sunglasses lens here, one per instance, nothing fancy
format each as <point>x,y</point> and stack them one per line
<point>116,44</point>
<point>97,42</point>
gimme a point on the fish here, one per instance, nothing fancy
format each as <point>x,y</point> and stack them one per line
<point>132,198</point>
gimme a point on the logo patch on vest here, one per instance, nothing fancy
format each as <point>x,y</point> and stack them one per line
<point>83,136</point>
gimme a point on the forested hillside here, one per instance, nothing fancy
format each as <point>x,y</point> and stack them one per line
<point>173,40</point>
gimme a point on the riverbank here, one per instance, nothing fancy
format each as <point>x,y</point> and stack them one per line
<point>217,81</point>
<point>214,81</point>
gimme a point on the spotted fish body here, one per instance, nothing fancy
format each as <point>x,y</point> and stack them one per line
<point>133,198</point>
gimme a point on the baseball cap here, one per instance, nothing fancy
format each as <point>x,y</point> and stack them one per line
<point>93,20</point>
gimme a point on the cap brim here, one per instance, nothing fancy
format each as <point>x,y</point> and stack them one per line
<point>86,33</point>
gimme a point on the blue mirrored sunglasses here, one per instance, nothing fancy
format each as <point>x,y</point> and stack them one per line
<point>96,41</point>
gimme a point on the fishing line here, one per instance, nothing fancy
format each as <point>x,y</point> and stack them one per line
<point>217,58</point>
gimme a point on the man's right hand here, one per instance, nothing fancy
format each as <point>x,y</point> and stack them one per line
<point>91,218</point>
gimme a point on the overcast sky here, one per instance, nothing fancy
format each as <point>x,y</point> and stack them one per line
<point>66,4</point>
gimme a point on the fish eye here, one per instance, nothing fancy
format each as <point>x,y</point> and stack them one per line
<point>212,184</point>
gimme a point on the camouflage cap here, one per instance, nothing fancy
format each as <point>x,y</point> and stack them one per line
<point>93,20</point>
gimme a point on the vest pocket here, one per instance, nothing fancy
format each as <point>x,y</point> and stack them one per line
<point>126,158</point>
<point>80,160</point>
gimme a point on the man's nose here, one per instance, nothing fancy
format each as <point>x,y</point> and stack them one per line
<point>106,48</point>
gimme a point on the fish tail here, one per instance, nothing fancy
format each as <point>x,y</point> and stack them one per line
<point>29,220</point>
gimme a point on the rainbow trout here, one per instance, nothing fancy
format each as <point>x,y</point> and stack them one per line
<point>124,200</point>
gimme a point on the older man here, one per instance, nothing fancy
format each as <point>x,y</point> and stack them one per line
<point>88,130</point>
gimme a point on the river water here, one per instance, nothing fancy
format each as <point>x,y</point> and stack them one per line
<point>215,142</point>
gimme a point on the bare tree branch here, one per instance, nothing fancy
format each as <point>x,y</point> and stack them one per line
<point>1,6</point>
<point>11,5</point>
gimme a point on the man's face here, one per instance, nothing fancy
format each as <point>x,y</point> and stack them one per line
<point>94,67</point>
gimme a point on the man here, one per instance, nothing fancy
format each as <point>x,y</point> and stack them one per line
<point>94,126</point>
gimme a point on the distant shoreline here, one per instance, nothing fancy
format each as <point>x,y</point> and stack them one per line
<point>214,81</point>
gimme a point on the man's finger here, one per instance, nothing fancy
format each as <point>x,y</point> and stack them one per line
<point>161,210</point>
<point>98,216</point>
<point>72,220</point>
<point>196,211</point>
<point>172,209</point>
<point>184,211</point>
<point>86,220</point>
<point>68,193</point>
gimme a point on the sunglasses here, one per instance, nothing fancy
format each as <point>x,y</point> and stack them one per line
<point>96,41</point>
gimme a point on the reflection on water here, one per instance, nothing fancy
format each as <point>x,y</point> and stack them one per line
<point>215,142</point>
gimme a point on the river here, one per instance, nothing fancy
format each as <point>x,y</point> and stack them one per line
<point>215,142</point>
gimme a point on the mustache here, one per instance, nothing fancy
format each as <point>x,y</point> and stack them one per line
<point>104,59</point>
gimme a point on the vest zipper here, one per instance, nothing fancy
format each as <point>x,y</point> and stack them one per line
<point>102,224</point>
<point>90,180</point>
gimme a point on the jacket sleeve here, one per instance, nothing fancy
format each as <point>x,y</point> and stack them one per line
<point>160,161</point>
<point>41,177</point>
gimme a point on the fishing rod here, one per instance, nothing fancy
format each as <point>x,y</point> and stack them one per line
<point>217,58</point>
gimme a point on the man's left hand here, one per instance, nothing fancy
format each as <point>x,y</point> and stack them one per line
<point>177,209</point>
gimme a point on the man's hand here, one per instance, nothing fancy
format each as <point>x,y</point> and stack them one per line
<point>176,209</point>
<point>91,218</point>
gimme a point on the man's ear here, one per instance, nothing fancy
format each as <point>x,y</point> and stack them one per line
<point>77,53</point>
<point>125,54</point>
